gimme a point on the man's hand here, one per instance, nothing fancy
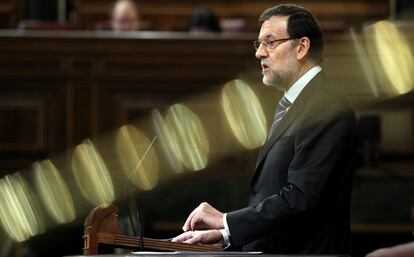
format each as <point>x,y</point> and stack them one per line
<point>384,252</point>
<point>200,236</point>
<point>204,217</point>
<point>402,250</point>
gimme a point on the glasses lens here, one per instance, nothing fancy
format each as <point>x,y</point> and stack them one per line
<point>256,44</point>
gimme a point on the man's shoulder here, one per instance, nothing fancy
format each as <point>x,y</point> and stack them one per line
<point>329,95</point>
<point>326,102</point>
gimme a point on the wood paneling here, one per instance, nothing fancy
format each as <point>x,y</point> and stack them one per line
<point>59,88</point>
<point>32,120</point>
<point>10,13</point>
<point>23,124</point>
<point>174,15</point>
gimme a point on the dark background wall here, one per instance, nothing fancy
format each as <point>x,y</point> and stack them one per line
<point>41,9</point>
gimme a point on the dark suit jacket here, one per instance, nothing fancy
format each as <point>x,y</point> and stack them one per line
<point>301,188</point>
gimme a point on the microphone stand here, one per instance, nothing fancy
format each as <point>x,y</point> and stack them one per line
<point>132,200</point>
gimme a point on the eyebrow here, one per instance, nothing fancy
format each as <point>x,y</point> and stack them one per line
<point>267,37</point>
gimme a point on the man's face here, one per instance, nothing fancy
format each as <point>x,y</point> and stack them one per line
<point>125,17</point>
<point>279,67</point>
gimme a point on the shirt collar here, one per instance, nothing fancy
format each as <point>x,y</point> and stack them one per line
<point>294,91</point>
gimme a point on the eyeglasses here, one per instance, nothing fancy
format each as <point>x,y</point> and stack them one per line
<point>269,44</point>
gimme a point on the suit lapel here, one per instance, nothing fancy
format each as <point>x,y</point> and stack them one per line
<point>287,120</point>
<point>290,116</point>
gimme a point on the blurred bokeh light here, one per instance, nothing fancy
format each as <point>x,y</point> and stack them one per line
<point>193,148</point>
<point>168,141</point>
<point>92,175</point>
<point>183,138</point>
<point>244,114</point>
<point>391,58</point>
<point>53,191</point>
<point>138,157</point>
<point>19,215</point>
<point>366,66</point>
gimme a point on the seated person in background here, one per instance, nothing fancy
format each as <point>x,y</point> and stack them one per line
<point>403,250</point>
<point>124,16</point>
<point>203,19</point>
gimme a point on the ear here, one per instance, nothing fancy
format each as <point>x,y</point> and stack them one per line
<point>302,47</point>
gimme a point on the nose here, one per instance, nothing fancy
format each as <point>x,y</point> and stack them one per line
<point>261,52</point>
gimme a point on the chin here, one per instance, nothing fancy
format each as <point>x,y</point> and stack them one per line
<point>267,81</point>
<point>271,83</point>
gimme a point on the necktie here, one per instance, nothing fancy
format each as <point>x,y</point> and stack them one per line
<point>281,109</point>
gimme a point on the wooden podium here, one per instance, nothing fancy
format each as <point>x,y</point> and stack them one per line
<point>102,227</point>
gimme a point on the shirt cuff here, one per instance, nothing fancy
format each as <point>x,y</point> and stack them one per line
<point>225,232</point>
<point>225,235</point>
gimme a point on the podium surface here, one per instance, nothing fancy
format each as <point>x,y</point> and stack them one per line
<point>201,254</point>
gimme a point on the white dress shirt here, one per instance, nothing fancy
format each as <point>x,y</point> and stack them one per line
<point>294,91</point>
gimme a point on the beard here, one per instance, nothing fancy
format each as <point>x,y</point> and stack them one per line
<point>283,77</point>
<point>279,79</point>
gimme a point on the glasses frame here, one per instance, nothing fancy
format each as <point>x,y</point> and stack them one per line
<point>267,43</point>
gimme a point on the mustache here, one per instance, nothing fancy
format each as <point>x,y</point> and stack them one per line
<point>264,62</point>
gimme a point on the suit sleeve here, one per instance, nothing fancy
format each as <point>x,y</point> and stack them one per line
<point>320,150</point>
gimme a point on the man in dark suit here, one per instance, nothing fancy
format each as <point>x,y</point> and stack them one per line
<point>301,188</point>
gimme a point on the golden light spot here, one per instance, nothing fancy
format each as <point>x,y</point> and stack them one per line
<point>365,63</point>
<point>53,191</point>
<point>92,175</point>
<point>391,57</point>
<point>244,114</point>
<point>137,156</point>
<point>19,215</point>
<point>168,141</point>
<point>193,145</point>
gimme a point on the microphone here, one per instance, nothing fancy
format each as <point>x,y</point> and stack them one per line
<point>132,201</point>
